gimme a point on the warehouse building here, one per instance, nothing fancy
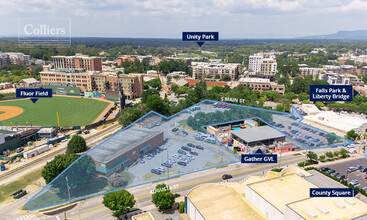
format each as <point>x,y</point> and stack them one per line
<point>263,135</point>
<point>276,196</point>
<point>124,148</point>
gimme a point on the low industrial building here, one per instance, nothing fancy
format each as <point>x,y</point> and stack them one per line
<point>249,137</point>
<point>117,153</point>
<point>275,196</point>
<point>337,122</point>
<point>47,133</point>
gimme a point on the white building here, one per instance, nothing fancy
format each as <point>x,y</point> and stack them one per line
<point>205,70</point>
<point>263,64</point>
<point>19,58</point>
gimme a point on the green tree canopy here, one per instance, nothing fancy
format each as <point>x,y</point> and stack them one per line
<point>162,197</point>
<point>57,165</point>
<point>77,144</point>
<point>120,201</point>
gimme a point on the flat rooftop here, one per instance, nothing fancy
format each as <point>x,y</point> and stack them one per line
<point>283,190</point>
<point>121,143</point>
<point>340,121</point>
<point>216,201</point>
<point>258,133</point>
<point>353,208</point>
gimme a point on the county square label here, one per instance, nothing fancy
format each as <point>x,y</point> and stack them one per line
<point>324,93</point>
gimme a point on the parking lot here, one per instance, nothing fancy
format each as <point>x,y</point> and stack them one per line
<point>356,175</point>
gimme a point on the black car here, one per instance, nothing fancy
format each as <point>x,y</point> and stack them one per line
<point>330,171</point>
<point>181,152</point>
<point>175,129</point>
<point>325,169</point>
<point>199,147</point>
<point>226,176</point>
<point>190,145</point>
<point>186,148</point>
<point>363,170</point>
<point>341,177</point>
<point>181,163</point>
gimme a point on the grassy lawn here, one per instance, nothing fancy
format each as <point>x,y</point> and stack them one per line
<point>21,183</point>
<point>72,111</point>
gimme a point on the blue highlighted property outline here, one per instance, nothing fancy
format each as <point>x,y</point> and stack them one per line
<point>294,111</point>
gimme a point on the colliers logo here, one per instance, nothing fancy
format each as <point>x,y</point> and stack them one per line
<point>43,29</point>
<point>44,32</point>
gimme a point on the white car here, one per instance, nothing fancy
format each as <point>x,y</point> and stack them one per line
<point>161,169</point>
<point>352,151</point>
<point>162,147</point>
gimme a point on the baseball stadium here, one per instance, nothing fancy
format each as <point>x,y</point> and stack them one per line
<point>71,110</point>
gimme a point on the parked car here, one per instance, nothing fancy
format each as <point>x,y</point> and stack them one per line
<point>186,148</point>
<point>182,163</point>
<point>330,171</point>
<point>354,182</point>
<point>181,152</point>
<point>351,169</point>
<point>190,145</point>
<point>194,153</point>
<point>340,177</point>
<point>226,176</point>
<point>174,129</point>
<point>325,169</point>
<point>19,149</point>
<point>199,147</point>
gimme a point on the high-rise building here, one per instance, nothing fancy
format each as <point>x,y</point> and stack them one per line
<point>79,61</point>
<point>263,65</point>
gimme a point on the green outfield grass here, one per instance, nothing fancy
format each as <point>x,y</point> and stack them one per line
<point>1,112</point>
<point>72,111</point>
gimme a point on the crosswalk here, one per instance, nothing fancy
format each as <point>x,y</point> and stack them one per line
<point>26,217</point>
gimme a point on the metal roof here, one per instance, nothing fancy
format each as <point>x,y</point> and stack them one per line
<point>121,143</point>
<point>257,134</point>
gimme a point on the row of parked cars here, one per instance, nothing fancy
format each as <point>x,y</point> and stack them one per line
<point>333,173</point>
<point>306,128</point>
<point>152,153</point>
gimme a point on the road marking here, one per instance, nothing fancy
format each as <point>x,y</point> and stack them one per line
<point>102,207</point>
<point>57,217</point>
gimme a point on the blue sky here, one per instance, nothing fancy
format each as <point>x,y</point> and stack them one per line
<point>168,18</point>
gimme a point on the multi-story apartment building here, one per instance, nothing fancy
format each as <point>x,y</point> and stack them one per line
<point>261,85</point>
<point>185,60</point>
<point>79,61</point>
<point>79,78</point>
<point>125,58</point>
<point>19,58</point>
<point>306,71</point>
<point>268,67</point>
<point>263,65</point>
<point>131,84</point>
<point>3,60</point>
<point>206,70</point>
<point>92,81</point>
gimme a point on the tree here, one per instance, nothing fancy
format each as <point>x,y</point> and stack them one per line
<point>329,154</point>
<point>330,138</point>
<point>352,135</point>
<point>343,153</point>
<point>322,158</point>
<point>77,144</point>
<point>311,155</point>
<point>148,93</point>
<point>57,165</point>
<point>156,103</point>
<point>155,83</point>
<point>226,78</point>
<point>120,201</point>
<point>174,88</point>
<point>217,76</point>
<point>319,105</point>
<point>162,197</point>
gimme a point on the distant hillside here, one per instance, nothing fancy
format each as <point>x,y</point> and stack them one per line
<point>341,35</point>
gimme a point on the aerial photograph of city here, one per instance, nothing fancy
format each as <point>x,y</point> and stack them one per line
<point>183,110</point>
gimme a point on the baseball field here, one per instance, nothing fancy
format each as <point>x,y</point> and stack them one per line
<point>72,111</point>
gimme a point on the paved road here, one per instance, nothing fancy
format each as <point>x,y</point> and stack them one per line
<point>94,209</point>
